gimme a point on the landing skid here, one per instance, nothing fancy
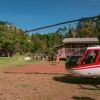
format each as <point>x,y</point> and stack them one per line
<point>87,88</point>
<point>93,87</point>
<point>96,78</point>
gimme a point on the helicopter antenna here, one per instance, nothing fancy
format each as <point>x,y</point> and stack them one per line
<point>59,24</point>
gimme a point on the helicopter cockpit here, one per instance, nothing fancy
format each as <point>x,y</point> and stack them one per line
<point>74,59</point>
<point>89,57</point>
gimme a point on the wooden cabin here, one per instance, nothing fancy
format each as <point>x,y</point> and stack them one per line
<point>70,45</point>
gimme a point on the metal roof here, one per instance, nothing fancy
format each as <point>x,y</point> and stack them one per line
<point>80,40</point>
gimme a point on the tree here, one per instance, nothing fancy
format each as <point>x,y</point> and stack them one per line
<point>85,28</point>
<point>62,33</point>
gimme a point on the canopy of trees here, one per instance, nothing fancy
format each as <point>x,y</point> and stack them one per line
<point>14,40</point>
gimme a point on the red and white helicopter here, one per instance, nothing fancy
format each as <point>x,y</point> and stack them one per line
<point>85,63</point>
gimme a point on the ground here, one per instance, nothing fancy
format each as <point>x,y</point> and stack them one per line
<point>44,82</point>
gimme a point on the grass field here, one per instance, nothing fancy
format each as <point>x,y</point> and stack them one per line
<point>12,62</point>
<point>34,86</point>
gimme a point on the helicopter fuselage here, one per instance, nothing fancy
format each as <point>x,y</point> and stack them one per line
<point>84,62</point>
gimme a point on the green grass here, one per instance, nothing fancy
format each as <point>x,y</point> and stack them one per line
<point>13,62</point>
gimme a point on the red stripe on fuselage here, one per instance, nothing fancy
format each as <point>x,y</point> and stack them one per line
<point>84,67</point>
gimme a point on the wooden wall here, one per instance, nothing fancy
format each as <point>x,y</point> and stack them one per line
<point>67,49</point>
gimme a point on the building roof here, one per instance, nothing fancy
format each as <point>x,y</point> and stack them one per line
<point>80,40</point>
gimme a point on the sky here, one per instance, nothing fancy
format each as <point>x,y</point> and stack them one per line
<point>31,14</point>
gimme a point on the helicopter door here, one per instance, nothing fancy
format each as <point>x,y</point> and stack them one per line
<point>90,57</point>
<point>89,61</point>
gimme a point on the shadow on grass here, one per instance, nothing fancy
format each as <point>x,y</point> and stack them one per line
<point>68,78</point>
<point>82,98</point>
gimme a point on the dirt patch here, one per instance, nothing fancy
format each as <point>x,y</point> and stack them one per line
<point>44,82</point>
<point>41,68</point>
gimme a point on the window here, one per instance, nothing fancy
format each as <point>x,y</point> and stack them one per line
<point>73,45</point>
<point>90,57</point>
<point>75,58</point>
<point>86,45</point>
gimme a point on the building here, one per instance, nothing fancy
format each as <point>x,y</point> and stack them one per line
<point>70,45</point>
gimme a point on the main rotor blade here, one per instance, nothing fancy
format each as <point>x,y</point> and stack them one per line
<point>59,24</point>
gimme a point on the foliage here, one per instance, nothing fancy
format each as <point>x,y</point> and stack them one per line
<point>14,40</point>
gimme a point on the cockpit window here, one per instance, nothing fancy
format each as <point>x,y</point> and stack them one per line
<point>90,57</point>
<point>74,59</point>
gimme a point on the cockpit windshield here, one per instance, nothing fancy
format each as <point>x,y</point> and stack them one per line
<point>74,59</point>
<point>90,57</point>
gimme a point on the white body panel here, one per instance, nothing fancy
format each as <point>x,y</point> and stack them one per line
<point>89,72</point>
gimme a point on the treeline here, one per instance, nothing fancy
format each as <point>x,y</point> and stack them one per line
<point>14,40</point>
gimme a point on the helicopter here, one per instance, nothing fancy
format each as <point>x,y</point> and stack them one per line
<point>84,62</point>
